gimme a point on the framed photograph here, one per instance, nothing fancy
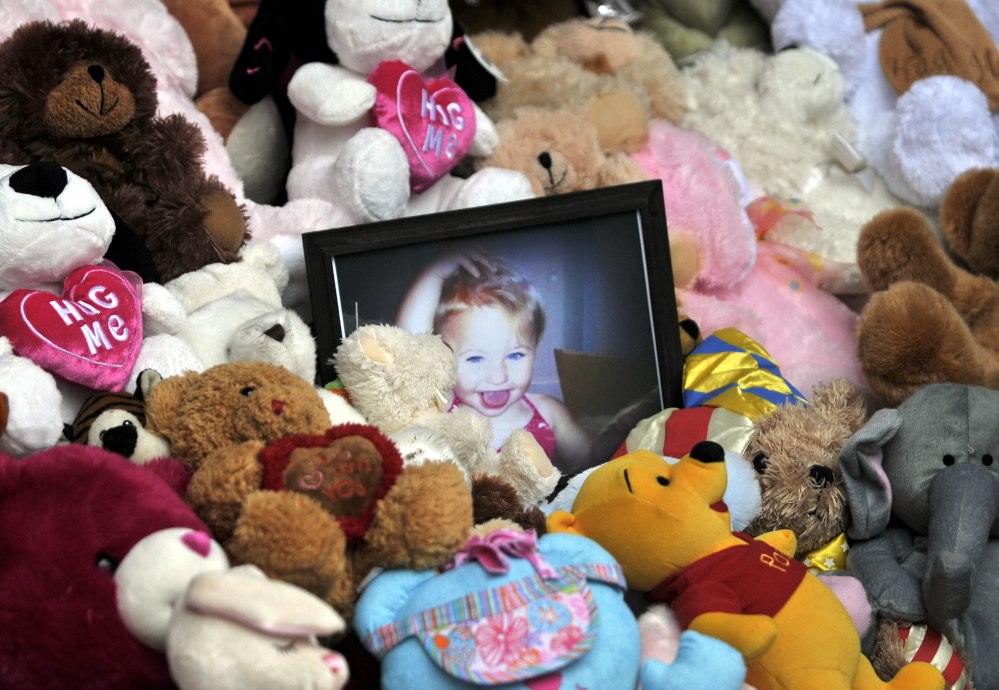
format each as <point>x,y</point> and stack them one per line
<point>560,309</point>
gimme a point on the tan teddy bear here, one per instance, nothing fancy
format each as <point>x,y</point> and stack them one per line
<point>313,506</point>
<point>569,63</point>
<point>560,151</point>
<point>399,381</point>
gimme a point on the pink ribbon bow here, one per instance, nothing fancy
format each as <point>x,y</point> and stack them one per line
<point>493,552</point>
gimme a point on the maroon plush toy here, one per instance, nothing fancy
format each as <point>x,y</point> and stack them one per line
<point>68,516</point>
<point>86,99</point>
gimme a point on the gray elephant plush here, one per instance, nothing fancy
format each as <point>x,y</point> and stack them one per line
<point>923,491</point>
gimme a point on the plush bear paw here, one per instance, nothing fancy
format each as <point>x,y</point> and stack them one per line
<point>33,422</point>
<point>899,245</point>
<point>491,186</point>
<point>943,128</point>
<point>371,176</point>
<point>223,219</point>
<point>524,464</point>
<point>292,538</point>
<point>910,336</point>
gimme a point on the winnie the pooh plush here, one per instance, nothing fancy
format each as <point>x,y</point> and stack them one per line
<point>256,438</point>
<point>928,320</point>
<point>748,592</point>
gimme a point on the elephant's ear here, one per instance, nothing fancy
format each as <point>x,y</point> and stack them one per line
<point>867,486</point>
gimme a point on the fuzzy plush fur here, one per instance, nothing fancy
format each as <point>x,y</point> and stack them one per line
<point>71,514</point>
<point>232,404</point>
<point>493,499</point>
<point>777,115</point>
<point>559,152</point>
<point>571,62</point>
<point>929,320</point>
<point>220,421</point>
<point>155,182</point>
<point>787,445</point>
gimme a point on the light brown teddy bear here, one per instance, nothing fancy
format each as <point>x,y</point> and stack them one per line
<point>560,151</point>
<point>569,63</point>
<point>928,320</point>
<point>313,506</point>
<point>795,452</point>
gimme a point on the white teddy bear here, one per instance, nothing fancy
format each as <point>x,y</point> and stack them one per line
<point>919,141</point>
<point>51,223</point>
<point>370,171</point>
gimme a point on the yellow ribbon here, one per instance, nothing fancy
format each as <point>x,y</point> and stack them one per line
<point>832,556</point>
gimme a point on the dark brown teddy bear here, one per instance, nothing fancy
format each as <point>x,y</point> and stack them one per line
<point>86,99</point>
<point>929,320</point>
<point>256,437</point>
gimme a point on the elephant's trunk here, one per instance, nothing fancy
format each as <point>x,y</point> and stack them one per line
<point>964,504</point>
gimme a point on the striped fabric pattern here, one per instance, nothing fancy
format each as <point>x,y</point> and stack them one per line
<point>98,404</point>
<point>926,644</point>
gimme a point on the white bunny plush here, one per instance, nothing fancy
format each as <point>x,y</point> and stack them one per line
<point>378,133</point>
<point>237,630</point>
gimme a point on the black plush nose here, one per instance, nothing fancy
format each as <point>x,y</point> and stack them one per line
<point>545,159</point>
<point>120,439</point>
<point>707,451</point>
<point>96,73</point>
<point>276,332</point>
<point>40,179</point>
<point>822,477</point>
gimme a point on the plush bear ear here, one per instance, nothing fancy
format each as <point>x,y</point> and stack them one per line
<point>843,401</point>
<point>971,202</point>
<point>867,488</point>
<point>280,29</point>
<point>474,72</point>
<point>163,402</point>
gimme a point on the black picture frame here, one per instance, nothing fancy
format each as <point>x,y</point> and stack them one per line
<point>644,199</point>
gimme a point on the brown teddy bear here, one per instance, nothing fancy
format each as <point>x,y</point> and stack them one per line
<point>795,452</point>
<point>560,151</point>
<point>313,506</point>
<point>928,320</point>
<point>86,99</point>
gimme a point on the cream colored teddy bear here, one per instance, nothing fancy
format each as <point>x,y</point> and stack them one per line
<point>402,384</point>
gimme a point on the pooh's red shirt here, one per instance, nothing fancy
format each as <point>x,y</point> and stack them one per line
<point>750,579</point>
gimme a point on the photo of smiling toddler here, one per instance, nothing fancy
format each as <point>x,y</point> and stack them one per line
<point>491,316</point>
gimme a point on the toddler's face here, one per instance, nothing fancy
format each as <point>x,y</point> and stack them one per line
<point>495,362</point>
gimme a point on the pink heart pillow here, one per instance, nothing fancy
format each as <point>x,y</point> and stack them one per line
<point>435,122</point>
<point>91,335</point>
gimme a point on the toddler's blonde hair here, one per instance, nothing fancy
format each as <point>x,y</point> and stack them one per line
<point>506,288</point>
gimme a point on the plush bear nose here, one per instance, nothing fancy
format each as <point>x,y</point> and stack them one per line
<point>822,477</point>
<point>276,332</point>
<point>707,451</point>
<point>545,159</point>
<point>40,179</point>
<point>120,439</point>
<point>277,406</point>
<point>96,73</point>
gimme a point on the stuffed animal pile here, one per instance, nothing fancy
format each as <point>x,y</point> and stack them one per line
<point>186,504</point>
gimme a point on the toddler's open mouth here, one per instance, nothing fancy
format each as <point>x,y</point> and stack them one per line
<point>495,400</point>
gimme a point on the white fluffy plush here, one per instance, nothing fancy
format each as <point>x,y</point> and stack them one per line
<point>399,380</point>
<point>920,141</point>
<point>42,240</point>
<point>778,116</point>
<point>337,157</point>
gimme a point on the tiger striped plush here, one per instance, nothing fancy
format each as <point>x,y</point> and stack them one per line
<point>116,422</point>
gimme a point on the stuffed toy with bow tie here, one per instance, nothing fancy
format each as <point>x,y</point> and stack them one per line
<point>380,123</point>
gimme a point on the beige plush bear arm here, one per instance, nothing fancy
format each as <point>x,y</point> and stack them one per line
<point>620,169</point>
<point>752,636</point>
<point>422,521</point>
<point>220,485</point>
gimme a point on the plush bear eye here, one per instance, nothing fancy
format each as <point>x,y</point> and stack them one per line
<point>248,391</point>
<point>663,481</point>
<point>104,562</point>
<point>761,462</point>
<point>987,459</point>
<point>948,460</point>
